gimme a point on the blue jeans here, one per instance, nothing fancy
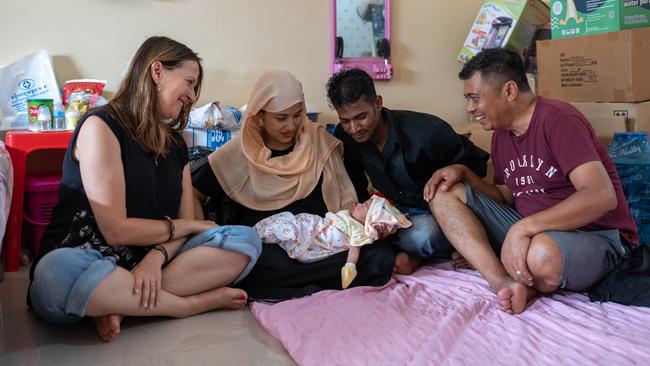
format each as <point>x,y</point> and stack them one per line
<point>424,238</point>
<point>65,278</point>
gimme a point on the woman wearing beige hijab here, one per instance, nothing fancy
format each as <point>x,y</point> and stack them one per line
<point>283,162</point>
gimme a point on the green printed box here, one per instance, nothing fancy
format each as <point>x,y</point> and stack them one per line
<point>501,23</point>
<point>571,18</point>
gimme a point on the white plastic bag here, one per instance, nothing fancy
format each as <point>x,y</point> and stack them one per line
<point>213,116</point>
<point>28,78</point>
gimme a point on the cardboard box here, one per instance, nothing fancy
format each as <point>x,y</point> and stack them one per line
<point>504,22</point>
<point>637,114</point>
<point>611,67</point>
<point>571,18</point>
<point>483,139</point>
<point>606,126</point>
<point>480,138</point>
<point>464,129</point>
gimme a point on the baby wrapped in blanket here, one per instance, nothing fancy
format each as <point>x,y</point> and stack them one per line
<point>309,238</point>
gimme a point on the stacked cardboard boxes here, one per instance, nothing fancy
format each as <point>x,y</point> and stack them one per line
<point>637,115</point>
<point>604,75</point>
<point>609,67</point>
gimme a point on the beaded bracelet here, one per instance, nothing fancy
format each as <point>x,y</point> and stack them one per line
<point>172,230</point>
<point>163,251</point>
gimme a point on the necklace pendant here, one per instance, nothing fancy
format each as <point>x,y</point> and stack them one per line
<point>155,161</point>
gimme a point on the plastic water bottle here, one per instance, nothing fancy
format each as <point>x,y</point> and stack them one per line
<point>58,120</point>
<point>44,118</point>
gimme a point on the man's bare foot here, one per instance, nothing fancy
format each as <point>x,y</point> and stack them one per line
<point>514,296</point>
<point>108,326</point>
<point>460,262</point>
<point>406,264</point>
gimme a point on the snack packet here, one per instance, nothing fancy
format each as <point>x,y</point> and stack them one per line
<point>79,96</point>
<point>90,88</point>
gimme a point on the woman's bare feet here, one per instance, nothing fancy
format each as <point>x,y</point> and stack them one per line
<point>108,326</point>
<point>224,298</point>
<point>406,264</point>
<point>514,296</point>
<point>460,262</point>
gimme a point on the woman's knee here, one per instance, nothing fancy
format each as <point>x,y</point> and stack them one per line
<point>233,238</point>
<point>59,262</point>
<point>63,281</point>
<point>246,241</point>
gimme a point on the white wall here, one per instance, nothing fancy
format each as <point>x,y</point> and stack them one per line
<point>239,39</point>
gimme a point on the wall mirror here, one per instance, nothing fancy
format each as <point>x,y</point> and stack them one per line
<point>360,36</point>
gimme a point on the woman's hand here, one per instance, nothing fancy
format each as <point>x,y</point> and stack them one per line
<point>147,276</point>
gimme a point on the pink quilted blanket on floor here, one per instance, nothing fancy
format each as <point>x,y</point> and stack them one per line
<point>439,316</point>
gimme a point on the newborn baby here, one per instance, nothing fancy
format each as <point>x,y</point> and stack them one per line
<point>309,238</point>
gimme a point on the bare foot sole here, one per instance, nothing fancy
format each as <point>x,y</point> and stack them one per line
<point>108,326</point>
<point>460,262</point>
<point>514,296</point>
<point>406,264</point>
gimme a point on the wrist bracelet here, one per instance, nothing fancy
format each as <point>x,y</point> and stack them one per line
<point>172,230</point>
<point>163,251</point>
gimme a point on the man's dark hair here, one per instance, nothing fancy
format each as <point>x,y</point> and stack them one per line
<point>497,66</point>
<point>349,86</point>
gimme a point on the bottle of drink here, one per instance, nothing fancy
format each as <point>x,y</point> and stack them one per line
<point>58,118</point>
<point>44,118</point>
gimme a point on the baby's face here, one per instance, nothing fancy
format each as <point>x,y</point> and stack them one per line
<point>360,210</point>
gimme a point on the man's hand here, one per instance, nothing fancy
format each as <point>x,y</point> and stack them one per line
<point>514,253</point>
<point>443,179</point>
<point>385,230</point>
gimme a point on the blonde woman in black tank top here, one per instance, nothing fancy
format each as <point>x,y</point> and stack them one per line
<point>123,240</point>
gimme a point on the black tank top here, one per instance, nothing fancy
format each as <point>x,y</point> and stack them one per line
<point>153,190</point>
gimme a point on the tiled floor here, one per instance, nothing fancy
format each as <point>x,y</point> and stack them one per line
<point>215,338</point>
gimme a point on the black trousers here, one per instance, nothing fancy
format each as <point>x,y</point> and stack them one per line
<point>277,277</point>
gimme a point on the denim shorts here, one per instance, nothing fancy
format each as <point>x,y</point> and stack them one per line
<point>65,278</point>
<point>587,255</point>
<point>234,238</point>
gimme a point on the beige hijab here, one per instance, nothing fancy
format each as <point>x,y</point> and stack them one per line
<point>250,176</point>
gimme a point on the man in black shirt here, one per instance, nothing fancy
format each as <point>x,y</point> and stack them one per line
<point>398,151</point>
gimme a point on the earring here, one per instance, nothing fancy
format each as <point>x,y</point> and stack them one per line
<point>158,87</point>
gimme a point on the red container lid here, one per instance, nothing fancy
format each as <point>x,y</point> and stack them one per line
<point>42,182</point>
